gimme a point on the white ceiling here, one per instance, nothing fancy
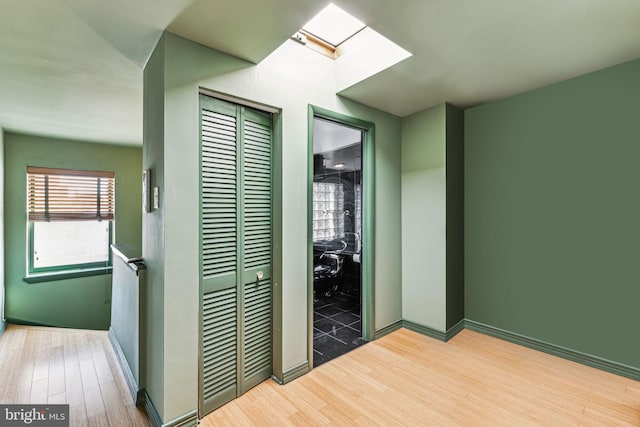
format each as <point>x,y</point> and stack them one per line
<point>73,68</point>
<point>331,136</point>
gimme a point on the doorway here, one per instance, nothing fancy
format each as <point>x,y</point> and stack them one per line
<point>340,235</point>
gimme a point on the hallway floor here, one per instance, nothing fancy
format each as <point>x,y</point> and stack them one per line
<point>41,365</point>
<point>407,379</point>
<point>336,327</point>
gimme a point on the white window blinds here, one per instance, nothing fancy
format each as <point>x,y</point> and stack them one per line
<point>69,195</point>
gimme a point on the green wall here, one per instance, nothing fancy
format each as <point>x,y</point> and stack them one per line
<point>552,211</point>
<point>2,322</point>
<point>290,79</point>
<point>432,220</point>
<point>152,335</point>
<point>79,302</point>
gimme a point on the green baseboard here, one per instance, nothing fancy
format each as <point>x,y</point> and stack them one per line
<point>187,420</point>
<point>424,330</point>
<point>386,330</point>
<point>454,330</point>
<point>150,409</point>
<point>124,366</point>
<point>421,329</point>
<point>555,350</point>
<point>293,373</point>
<point>15,321</point>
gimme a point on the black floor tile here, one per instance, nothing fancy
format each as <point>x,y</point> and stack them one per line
<point>356,325</point>
<point>317,333</point>
<point>317,316</point>
<point>327,325</point>
<point>345,317</point>
<point>348,335</point>
<point>328,310</point>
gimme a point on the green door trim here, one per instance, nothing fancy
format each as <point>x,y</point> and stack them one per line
<point>368,220</point>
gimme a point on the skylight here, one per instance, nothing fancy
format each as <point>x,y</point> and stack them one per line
<point>333,25</point>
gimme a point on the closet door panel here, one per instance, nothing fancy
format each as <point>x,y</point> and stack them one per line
<point>218,249</point>
<point>257,133</point>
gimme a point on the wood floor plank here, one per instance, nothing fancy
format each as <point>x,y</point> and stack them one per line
<point>39,392</point>
<point>60,398</point>
<point>56,370</point>
<point>77,416</point>
<point>42,350</point>
<point>91,388</point>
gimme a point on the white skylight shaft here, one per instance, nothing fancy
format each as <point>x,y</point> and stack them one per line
<point>333,25</point>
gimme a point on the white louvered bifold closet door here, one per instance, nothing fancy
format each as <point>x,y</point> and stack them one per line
<point>235,250</point>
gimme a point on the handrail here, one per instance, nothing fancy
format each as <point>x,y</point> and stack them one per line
<point>136,263</point>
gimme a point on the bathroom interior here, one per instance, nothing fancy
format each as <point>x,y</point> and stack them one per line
<point>337,239</point>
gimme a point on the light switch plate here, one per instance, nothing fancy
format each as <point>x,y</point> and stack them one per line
<point>156,198</point>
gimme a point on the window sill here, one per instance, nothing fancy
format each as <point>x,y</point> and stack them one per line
<point>66,274</point>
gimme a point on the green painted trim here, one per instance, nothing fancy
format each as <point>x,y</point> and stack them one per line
<point>276,248</point>
<point>295,372</point>
<point>124,366</point>
<point>454,330</point>
<point>68,274</point>
<point>189,419</point>
<point>150,409</point>
<point>16,321</point>
<point>556,350</point>
<point>310,113</point>
<point>240,215</point>
<point>434,333</point>
<point>424,330</point>
<point>386,330</point>
<point>3,326</point>
<point>368,219</point>
<point>33,272</point>
<point>201,406</point>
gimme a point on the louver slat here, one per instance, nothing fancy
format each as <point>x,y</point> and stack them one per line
<point>257,337</point>
<point>257,192</point>
<point>219,194</point>
<point>219,344</point>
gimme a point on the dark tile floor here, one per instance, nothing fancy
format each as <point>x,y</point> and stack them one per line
<point>336,326</point>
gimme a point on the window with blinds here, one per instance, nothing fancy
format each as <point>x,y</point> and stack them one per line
<point>69,195</point>
<point>70,216</point>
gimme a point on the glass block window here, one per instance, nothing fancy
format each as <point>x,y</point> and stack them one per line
<point>358,205</point>
<point>328,211</point>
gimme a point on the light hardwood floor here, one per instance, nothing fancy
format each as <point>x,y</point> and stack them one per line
<point>403,379</point>
<point>406,379</point>
<point>51,365</point>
